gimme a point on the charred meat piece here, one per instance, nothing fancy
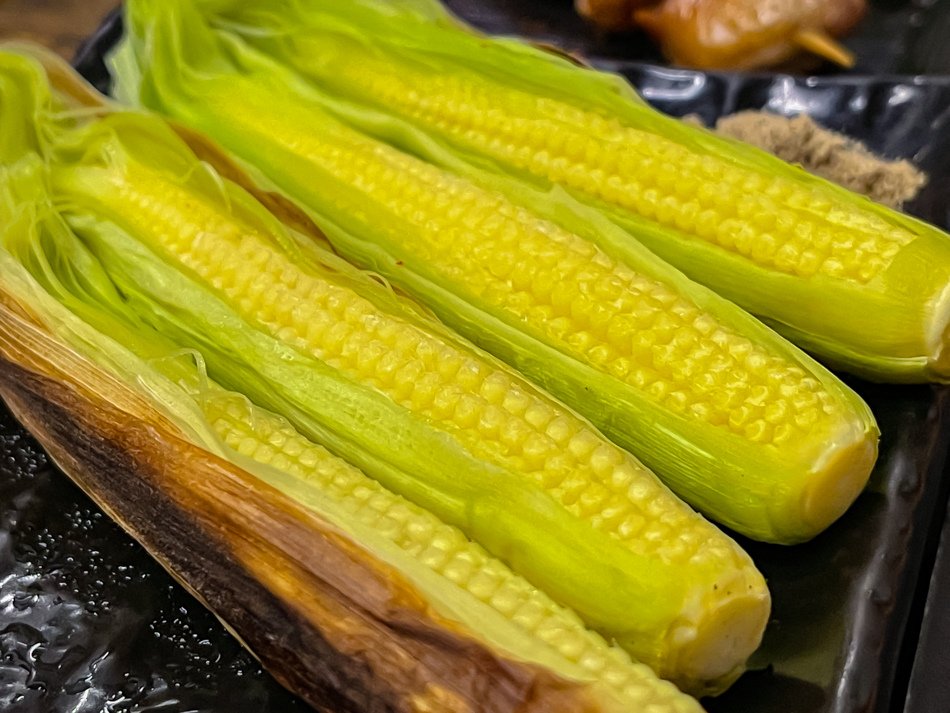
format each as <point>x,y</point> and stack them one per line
<point>610,14</point>
<point>748,34</point>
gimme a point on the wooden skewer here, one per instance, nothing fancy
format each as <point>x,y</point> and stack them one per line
<point>824,45</point>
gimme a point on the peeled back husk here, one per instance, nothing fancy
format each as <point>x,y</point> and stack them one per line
<point>863,287</point>
<point>195,256</point>
<point>735,419</point>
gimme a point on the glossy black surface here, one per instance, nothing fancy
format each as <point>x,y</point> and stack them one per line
<point>844,624</point>
<point>848,606</point>
<point>89,623</point>
<point>929,688</point>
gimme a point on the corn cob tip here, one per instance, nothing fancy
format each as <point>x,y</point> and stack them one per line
<point>837,483</point>
<point>939,364</point>
<point>730,630</point>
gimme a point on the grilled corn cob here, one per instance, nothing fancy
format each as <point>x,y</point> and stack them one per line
<point>483,598</point>
<point>480,599</point>
<point>415,407</point>
<point>859,285</point>
<point>735,419</point>
<point>483,450</point>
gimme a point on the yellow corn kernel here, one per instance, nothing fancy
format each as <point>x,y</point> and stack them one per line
<point>486,408</point>
<point>439,381</point>
<point>445,550</point>
<point>629,168</point>
<point>558,284</point>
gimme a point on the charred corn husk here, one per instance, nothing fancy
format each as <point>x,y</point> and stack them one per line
<point>859,285</point>
<point>372,379</point>
<point>735,419</point>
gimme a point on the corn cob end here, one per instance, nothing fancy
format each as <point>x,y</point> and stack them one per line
<point>728,627</point>
<point>938,365</point>
<point>837,483</point>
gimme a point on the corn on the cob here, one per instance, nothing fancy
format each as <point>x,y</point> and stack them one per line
<point>459,579</point>
<point>444,551</point>
<point>859,285</point>
<point>481,597</point>
<point>414,406</point>
<point>734,418</point>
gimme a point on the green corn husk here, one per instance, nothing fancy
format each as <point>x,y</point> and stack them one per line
<point>163,240</point>
<point>458,579</point>
<point>861,286</point>
<point>738,421</point>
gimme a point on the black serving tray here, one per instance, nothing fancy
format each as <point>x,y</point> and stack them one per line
<point>929,688</point>
<point>89,622</point>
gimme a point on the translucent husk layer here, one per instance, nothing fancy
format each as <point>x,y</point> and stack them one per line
<point>457,445</point>
<point>738,421</point>
<point>858,284</point>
